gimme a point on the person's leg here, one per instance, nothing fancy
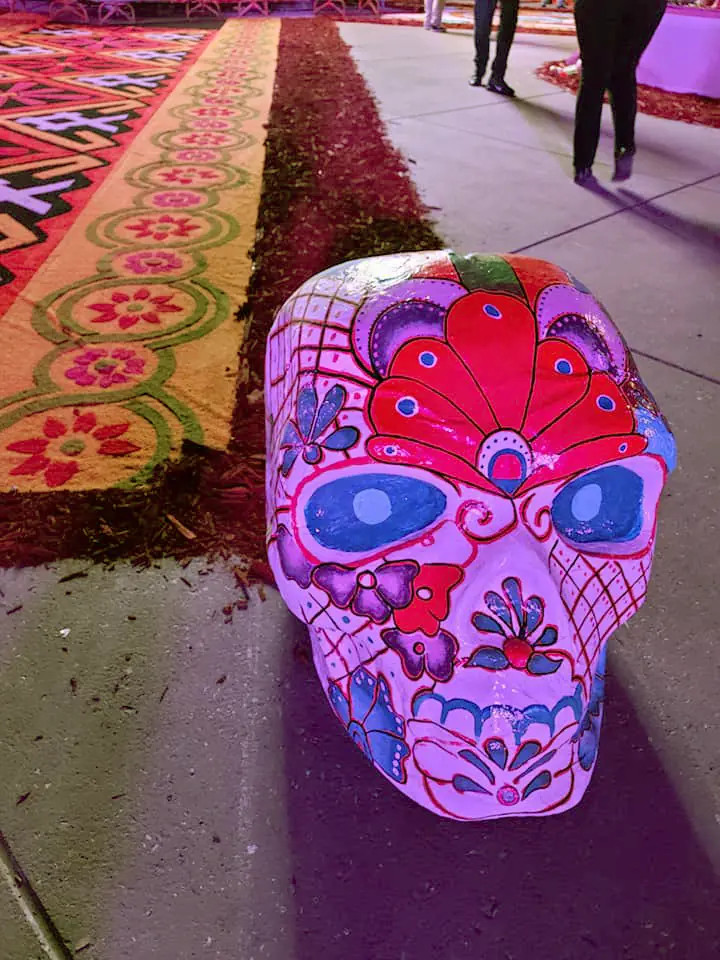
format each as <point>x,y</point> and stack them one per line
<point>428,14</point>
<point>438,8</point>
<point>640,20</point>
<point>506,34</point>
<point>595,20</point>
<point>484,10</point>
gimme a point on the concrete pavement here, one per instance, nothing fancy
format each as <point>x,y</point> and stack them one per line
<point>172,780</point>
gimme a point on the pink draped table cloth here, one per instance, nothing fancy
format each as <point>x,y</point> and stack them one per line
<point>684,54</point>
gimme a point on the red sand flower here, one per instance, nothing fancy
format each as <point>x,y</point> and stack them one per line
<point>127,311</point>
<point>55,453</point>
<point>162,227</point>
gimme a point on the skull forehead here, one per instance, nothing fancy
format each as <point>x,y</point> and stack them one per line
<point>463,473</point>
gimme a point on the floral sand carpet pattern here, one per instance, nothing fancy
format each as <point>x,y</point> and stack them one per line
<point>320,205</point>
<point>121,343</point>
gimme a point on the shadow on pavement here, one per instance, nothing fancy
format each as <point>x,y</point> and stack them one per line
<point>378,878</point>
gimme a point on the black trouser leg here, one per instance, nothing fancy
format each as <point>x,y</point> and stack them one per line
<point>636,31</point>
<point>596,22</point>
<point>506,35</point>
<point>484,10</point>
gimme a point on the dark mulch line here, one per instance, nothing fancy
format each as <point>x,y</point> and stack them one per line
<point>686,107</point>
<point>333,189</point>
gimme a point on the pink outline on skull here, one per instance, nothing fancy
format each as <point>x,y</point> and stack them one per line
<point>464,469</point>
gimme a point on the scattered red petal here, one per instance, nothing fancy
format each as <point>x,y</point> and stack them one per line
<point>54,428</point>
<point>35,445</point>
<point>117,448</point>
<point>59,472</point>
<point>84,422</point>
<point>111,430</point>
<point>30,467</point>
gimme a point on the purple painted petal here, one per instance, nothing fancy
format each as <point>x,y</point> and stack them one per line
<point>368,603</point>
<point>498,607</point>
<point>547,638</point>
<point>306,408</point>
<point>402,644</point>
<point>289,458</point>
<point>486,624</point>
<point>363,686</point>
<point>338,582</point>
<point>394,582</point>
<point>514,595</point>
<point>534,610</point>
<point>539,665</point>
<point>291,437</point>
<point>329,409</point>
<point>342,439</point>
<point>440,653</point>
<point>489,657</point>
<point>339,703</point>
<point>294,564</point>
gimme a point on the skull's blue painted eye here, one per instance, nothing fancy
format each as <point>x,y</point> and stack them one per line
<point>365,512</point>
<point>604,506</point>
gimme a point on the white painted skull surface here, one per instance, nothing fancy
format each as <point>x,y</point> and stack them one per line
<point>464,470</point>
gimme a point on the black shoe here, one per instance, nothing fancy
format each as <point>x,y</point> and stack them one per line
<point>499,86</point>
<point>439,29</point>
<point>623,165</point>
<point>476,80</point>
<point>584,177</point>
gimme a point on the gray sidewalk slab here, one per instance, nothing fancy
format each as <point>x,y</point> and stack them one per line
<point>142,728</point>
<point>16,939</point>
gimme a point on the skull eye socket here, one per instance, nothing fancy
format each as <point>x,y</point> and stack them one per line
<point>361,513</point>
<point>604,506</point>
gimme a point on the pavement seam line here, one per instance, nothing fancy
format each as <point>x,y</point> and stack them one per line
<point>615,213</point>
<point>30,904</point>
<point>676,366</point>
<point>474,106</point>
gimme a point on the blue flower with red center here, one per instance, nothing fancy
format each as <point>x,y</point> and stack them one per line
<point>519,625</point>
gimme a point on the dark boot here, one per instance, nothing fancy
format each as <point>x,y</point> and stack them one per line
<point>499,86</point>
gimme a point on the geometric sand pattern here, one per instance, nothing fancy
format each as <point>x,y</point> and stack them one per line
<point>122,342</point>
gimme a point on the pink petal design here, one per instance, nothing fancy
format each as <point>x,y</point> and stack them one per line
<point>30,467</point>
<point>150,318</point>
<point>129,320</point>
<point>81,377</point>
<point>90,356</point>
<point>35,445</point>
<point>135,365</point>
<point>119,297</point>
<point>142,294</point>
<point>59,472</point>
<point>54,428</point>
<point>111,431</point>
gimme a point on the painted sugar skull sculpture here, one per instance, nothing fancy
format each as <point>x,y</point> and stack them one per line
<point>464,470</point>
